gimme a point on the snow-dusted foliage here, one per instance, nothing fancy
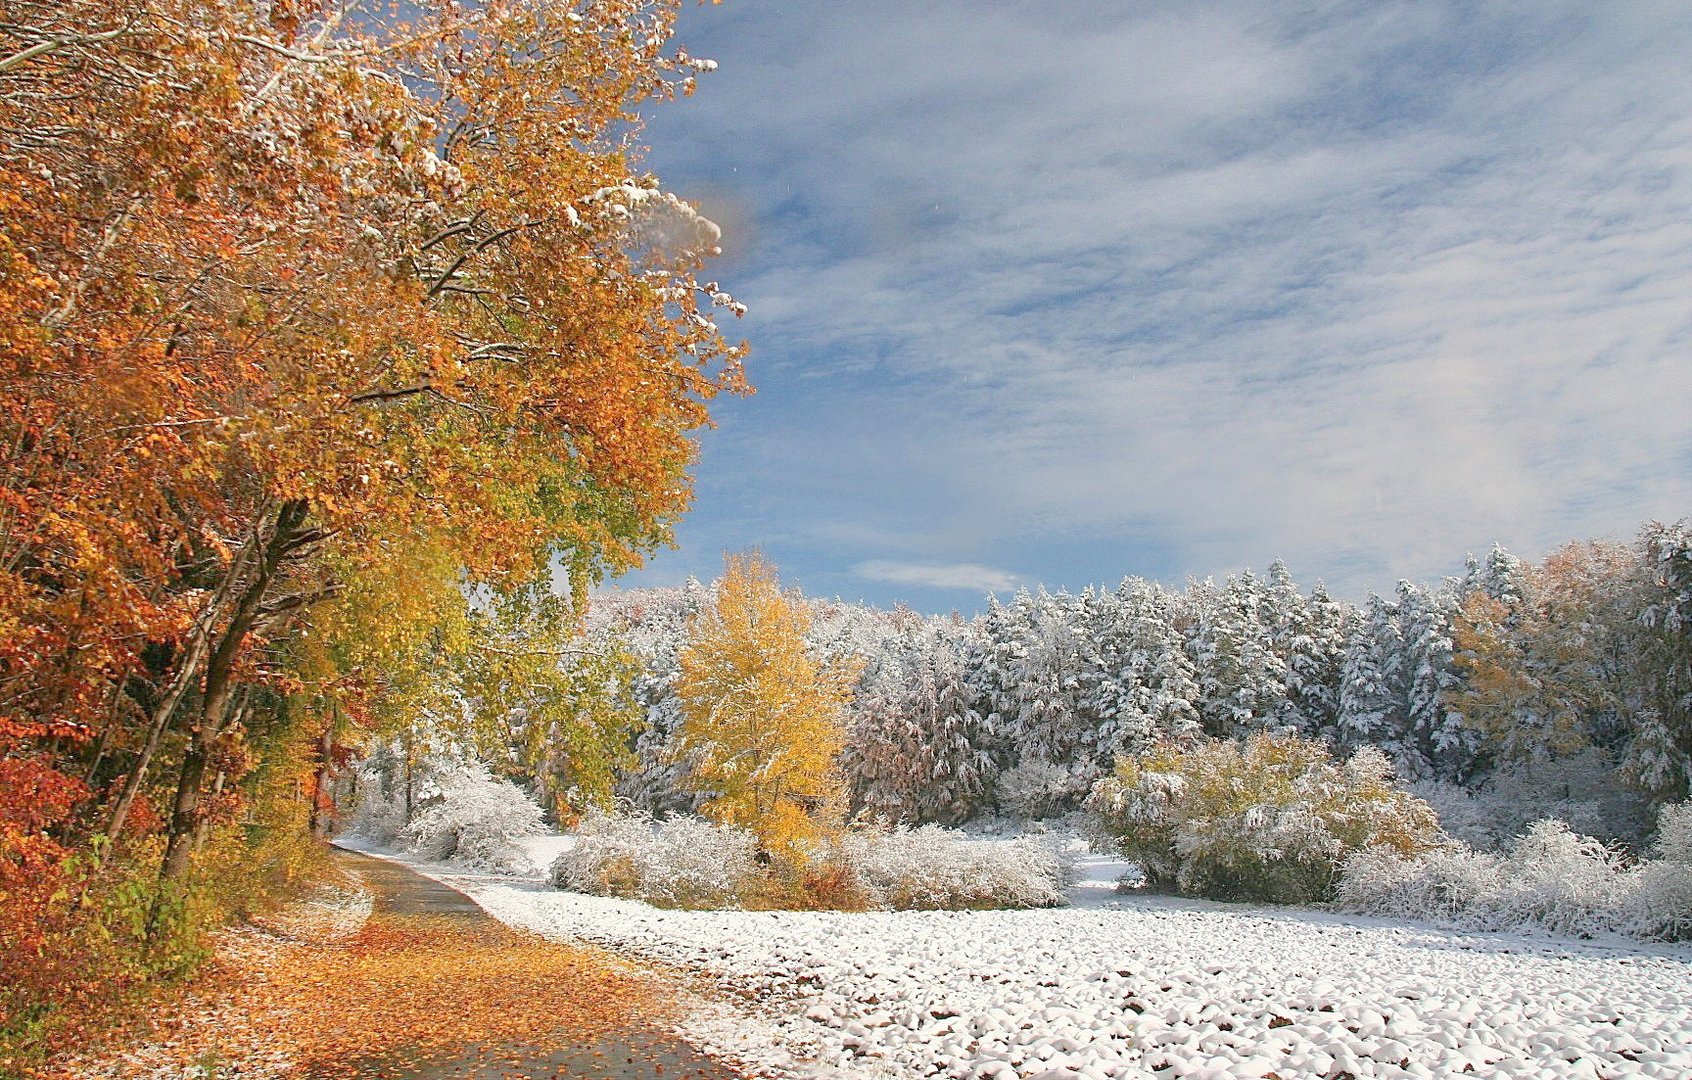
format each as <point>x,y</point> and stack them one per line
<point>1662,902</point>
<point>1373,687</point>
<point>1271,818</point>
<point>1147,684</point>
<point>1242,678</point>
<point>682,862</point>
<point>1042,708</point>
<point>1309,636</point>
<point>459,811</point>
<point>652,624</point>
<point>932,868</point>
<point>1551,878</point>
<point>1661,759</point>
<point>1580,789</point>
<point>1437,741</point>
<point>917,751</point>
<point>1035,790</point>
<point>687,862</point>
<point>1562,688</point>
<point>468,815</point>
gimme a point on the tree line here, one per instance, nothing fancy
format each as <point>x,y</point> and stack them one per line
<point>1510,670</point>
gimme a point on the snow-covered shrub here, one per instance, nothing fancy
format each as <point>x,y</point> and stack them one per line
<point>1551,878</point>
<point>1271,818</point>
<point>1557,879</point>
<point>377,817</point>
<point>1037,789</point>
<point>682,862</point>
<point>468,815</point>
<point>1581,789</point>
<point>1442,884</point>
<point>1662,901</point>
<point>933,868</point>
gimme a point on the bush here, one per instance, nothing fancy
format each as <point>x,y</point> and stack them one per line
<point>933,868</point>
<point>468,815</point>
<point>1580,789</point>
<point>1035,790</point>
<point>1662,902</point>
<point>1272,818</point>
<point>689,863</point>
<point>681,862</point>
<point>1551,878</point>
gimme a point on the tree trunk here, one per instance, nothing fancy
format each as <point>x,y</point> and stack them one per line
<point>162,713</point>
<point>220,688</point>
<point>188,669</point>
<point>322,806</point>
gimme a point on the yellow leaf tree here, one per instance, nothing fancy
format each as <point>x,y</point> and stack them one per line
<point>763,719</point>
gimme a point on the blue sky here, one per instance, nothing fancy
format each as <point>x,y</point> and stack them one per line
<point>1061,292</point>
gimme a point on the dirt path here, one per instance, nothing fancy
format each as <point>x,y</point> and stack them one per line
<point>429,987</point>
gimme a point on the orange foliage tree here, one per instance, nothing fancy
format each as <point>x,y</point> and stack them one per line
<point>287,288</point>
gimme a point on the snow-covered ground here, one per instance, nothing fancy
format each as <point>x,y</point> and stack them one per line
<point>1129,986</point>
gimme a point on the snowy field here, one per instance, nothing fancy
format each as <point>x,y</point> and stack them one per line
<point>1136,987</point>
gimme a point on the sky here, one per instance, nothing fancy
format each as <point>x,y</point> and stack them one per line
<point>1057,293</point>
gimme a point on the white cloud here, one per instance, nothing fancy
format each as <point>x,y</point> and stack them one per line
<point>1365,288</point>
<point>976,579</point>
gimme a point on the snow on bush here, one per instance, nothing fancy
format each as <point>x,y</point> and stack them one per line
<point>932,868</point>
<point>1580,789</point>
<point>686,862</point>
<point>1271,818</point>
<point>1662,902</point>
<point>1551,878</point>
<point>1037,789</point>
<point>680,862</point>
<point>466,814</point>
<point>377,817</point>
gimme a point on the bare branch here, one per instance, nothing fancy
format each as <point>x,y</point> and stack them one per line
<point>42,48</point>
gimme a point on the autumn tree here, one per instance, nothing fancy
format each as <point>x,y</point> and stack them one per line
<point>291,294</point>
<point>763,720</point>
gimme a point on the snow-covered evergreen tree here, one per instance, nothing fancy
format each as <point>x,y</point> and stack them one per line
<point>1241,677</point>
<point>1315,659</point>
<point>1659,759</point>
<point>1438,742</point>
<point>653,624</point>
<point>1374,688</point>
<point>1045,711</point>
<point>1149,685</point>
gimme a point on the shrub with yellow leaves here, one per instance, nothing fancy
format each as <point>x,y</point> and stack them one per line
<point>1271,818</point>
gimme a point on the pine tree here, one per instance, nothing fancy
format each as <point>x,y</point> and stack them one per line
<point>1242,680</point>
<point>1315,658</point>
<point>1660,761</point>
<point>1373,686</point>
<point>1439,743</point>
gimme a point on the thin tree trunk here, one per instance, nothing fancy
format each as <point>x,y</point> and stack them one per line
<point>110,729</point>
<point>322,808</point>
<point>186,671</point>
<point>408,785</point>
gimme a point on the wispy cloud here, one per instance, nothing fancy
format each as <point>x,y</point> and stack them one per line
<point>976,579</point>
<point>1364,286</point>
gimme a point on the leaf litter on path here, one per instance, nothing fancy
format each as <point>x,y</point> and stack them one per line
<point>405,995</point>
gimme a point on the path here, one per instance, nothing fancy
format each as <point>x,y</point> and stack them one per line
<point>428,987</point>
<point>449,925</point>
